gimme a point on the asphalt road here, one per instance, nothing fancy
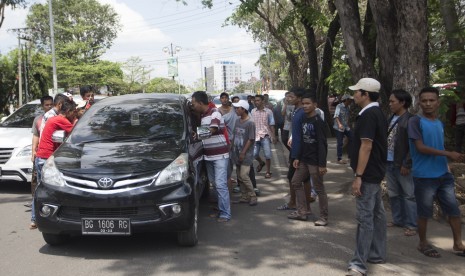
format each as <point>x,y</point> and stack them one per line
<point>257,241</point>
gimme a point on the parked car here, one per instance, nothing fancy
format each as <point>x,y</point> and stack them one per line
<point>131,164</point>
<point>15,143</point>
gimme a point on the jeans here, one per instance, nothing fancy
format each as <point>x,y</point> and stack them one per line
<point>371,229</point>
<point>340,141</point>
<point>459,135</point>
<point>217,174</point>
<point>266,144</point>
<point>38,163</point>
<point>401,191</point>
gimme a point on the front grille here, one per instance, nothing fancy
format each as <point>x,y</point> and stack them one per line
<point>134,213</point>
<point>5,154</point>
<point>88,183</point>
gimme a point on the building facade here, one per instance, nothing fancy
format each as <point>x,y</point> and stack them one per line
<point>223,76</point>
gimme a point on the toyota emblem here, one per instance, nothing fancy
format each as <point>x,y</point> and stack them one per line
<point>105,182</point>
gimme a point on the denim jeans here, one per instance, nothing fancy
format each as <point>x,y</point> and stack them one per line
<point>340,141</point>
<point>401,191</point>
<point>217,174</point>
<point>264,143</point>
<point>371,229</point>
<point>38,163</point>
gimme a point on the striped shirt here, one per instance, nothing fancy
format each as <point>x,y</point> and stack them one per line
<point>215,147</point>
<point>263,119</point>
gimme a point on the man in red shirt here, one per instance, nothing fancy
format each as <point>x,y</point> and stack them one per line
<point>63,121</point>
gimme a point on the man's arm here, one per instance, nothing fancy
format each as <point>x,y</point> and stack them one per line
<point>363,156</point>
<point>35,143</point>
<point>422,148</point>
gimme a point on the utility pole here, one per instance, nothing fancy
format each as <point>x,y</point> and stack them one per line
<point>21,35</point>
<point>52,41</point>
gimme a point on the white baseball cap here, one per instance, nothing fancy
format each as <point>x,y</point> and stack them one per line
<point>346,96</point>
<point>367,84</point>
<point>242,103</point>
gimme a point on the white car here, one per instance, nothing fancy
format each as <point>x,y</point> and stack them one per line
<point>15,143</point>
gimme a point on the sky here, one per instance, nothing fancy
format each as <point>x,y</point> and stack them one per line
<point>148,26</point>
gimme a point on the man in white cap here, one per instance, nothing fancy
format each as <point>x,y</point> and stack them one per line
<point>368,160</point>
<point>242,151</point>
<point>341,125</point>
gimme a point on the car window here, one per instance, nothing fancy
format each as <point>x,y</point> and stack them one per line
<point>23,117</point>
<point>132,118</point>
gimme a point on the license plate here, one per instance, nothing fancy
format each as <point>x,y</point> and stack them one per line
<point>106,226</point>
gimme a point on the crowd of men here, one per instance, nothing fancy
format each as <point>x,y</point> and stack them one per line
<point>405,149</point>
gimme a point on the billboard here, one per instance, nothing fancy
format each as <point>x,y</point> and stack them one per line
<point>173,67</point>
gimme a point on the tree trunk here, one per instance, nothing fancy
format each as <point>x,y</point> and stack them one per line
<point>455,41</point>
<point>360,61</point>
<point>411,70</point>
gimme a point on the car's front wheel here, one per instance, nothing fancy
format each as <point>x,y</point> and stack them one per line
<point>189,237</point>
<point>55,239</point>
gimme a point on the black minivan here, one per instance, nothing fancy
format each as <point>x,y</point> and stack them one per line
<point>130,165</point>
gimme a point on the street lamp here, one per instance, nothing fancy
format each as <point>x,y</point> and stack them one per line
<point>202,75</point>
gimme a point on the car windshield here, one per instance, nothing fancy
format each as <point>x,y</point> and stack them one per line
<point>23,117</point>
<point>130,120</point>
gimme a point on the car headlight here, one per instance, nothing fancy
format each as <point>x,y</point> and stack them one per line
<point>26,151</point>
<point>51,175</point>
<point>175,172</point>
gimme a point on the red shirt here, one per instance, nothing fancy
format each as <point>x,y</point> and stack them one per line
<point>46,144</point>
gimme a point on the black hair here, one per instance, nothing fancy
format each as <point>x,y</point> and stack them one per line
<point>224,94</point>
<point>310,96</point>
<point>201,97</point>
<point>403,96</point>
<point>234,97</point>
<point>45,98</point>
<point>60,98</point>
<point>85,89</point>
<point>68,106</point>
<point>260,96</point>
<point>429,89</point>
<point>374,96</point>
<point>298,91</point>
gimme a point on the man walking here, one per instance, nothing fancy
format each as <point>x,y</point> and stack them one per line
<point>368,160</point>
<point>399,179</point>
<point>216,152</point>
<point>265,134</point>
<point>431,173</point>
<point>341,125</point>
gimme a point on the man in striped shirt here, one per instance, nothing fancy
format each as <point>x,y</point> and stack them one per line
<point>216,152</point>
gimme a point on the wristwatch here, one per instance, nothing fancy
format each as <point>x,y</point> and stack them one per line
<point>358,175</point>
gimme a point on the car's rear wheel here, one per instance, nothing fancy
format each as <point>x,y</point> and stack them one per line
<point>55,239</point>
<point>189,237</point>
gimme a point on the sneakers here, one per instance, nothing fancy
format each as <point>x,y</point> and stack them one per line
<point>28,204</point>
<point>321,222</point>
<point>257,191</point>
<point>342,162</point>
<point>296,216</point>
<point>237,189</point>
<point>32,226</point>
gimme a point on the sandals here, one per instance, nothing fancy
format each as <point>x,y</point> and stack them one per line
<point>260,166</point>
<point>429,251</point>
<point>295,215</point>
<point>461,253</point>
<point>284,207</point>
<point>392,224</point>
<point>32,226</point>
<point>268,175</point>
<point>410,232</point>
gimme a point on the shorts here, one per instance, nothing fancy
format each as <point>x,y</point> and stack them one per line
<point>264,143</point>
<point>443,187</point>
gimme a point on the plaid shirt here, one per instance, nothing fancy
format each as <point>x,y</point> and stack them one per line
<point>263,119</point>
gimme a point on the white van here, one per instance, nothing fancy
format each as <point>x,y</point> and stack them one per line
<point>15,143</point>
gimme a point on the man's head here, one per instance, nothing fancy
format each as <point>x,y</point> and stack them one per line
<point>259,101</point>
<point>399,100</point>
<point>46,102</point>
<point>309,103</point>
<point>429,101</point>
<point>87,93</point>
<point>224,99</point>
<point>295,95</point>
<point>266,98</point>
<point>347,99</point>
<point>366,91</point>
<point>200,101</point>
<point>236,99</point>
<point>241,107</point>
<point>69,110</point>
<point>59,100</point>
<point>250,98</point>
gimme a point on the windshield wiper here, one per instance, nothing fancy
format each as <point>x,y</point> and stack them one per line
<point>160,136</point>
<point>114,138</point>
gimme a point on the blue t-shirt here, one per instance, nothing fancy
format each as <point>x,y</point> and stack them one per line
<point>431,132</point>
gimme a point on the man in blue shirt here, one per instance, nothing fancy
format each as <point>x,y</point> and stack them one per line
<point>431,172</point>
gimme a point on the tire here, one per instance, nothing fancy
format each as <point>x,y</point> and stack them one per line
<point>54,239</point>
<point>189,238</point>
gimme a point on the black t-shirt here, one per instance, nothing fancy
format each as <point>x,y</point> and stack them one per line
<point>372,124</point>
<point>314,146</point>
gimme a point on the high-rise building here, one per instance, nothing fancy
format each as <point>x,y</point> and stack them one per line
<point>223,76</point>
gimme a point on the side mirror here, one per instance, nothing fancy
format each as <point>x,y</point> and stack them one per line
<point>58,136</point>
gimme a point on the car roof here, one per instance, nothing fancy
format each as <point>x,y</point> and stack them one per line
<point>167,97</point>
<point>76,98</point>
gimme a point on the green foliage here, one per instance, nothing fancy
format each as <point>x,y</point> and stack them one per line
<point>11,3</point>
<point>165,85</point>
<point>84,29</point>
<point>72,73</point>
